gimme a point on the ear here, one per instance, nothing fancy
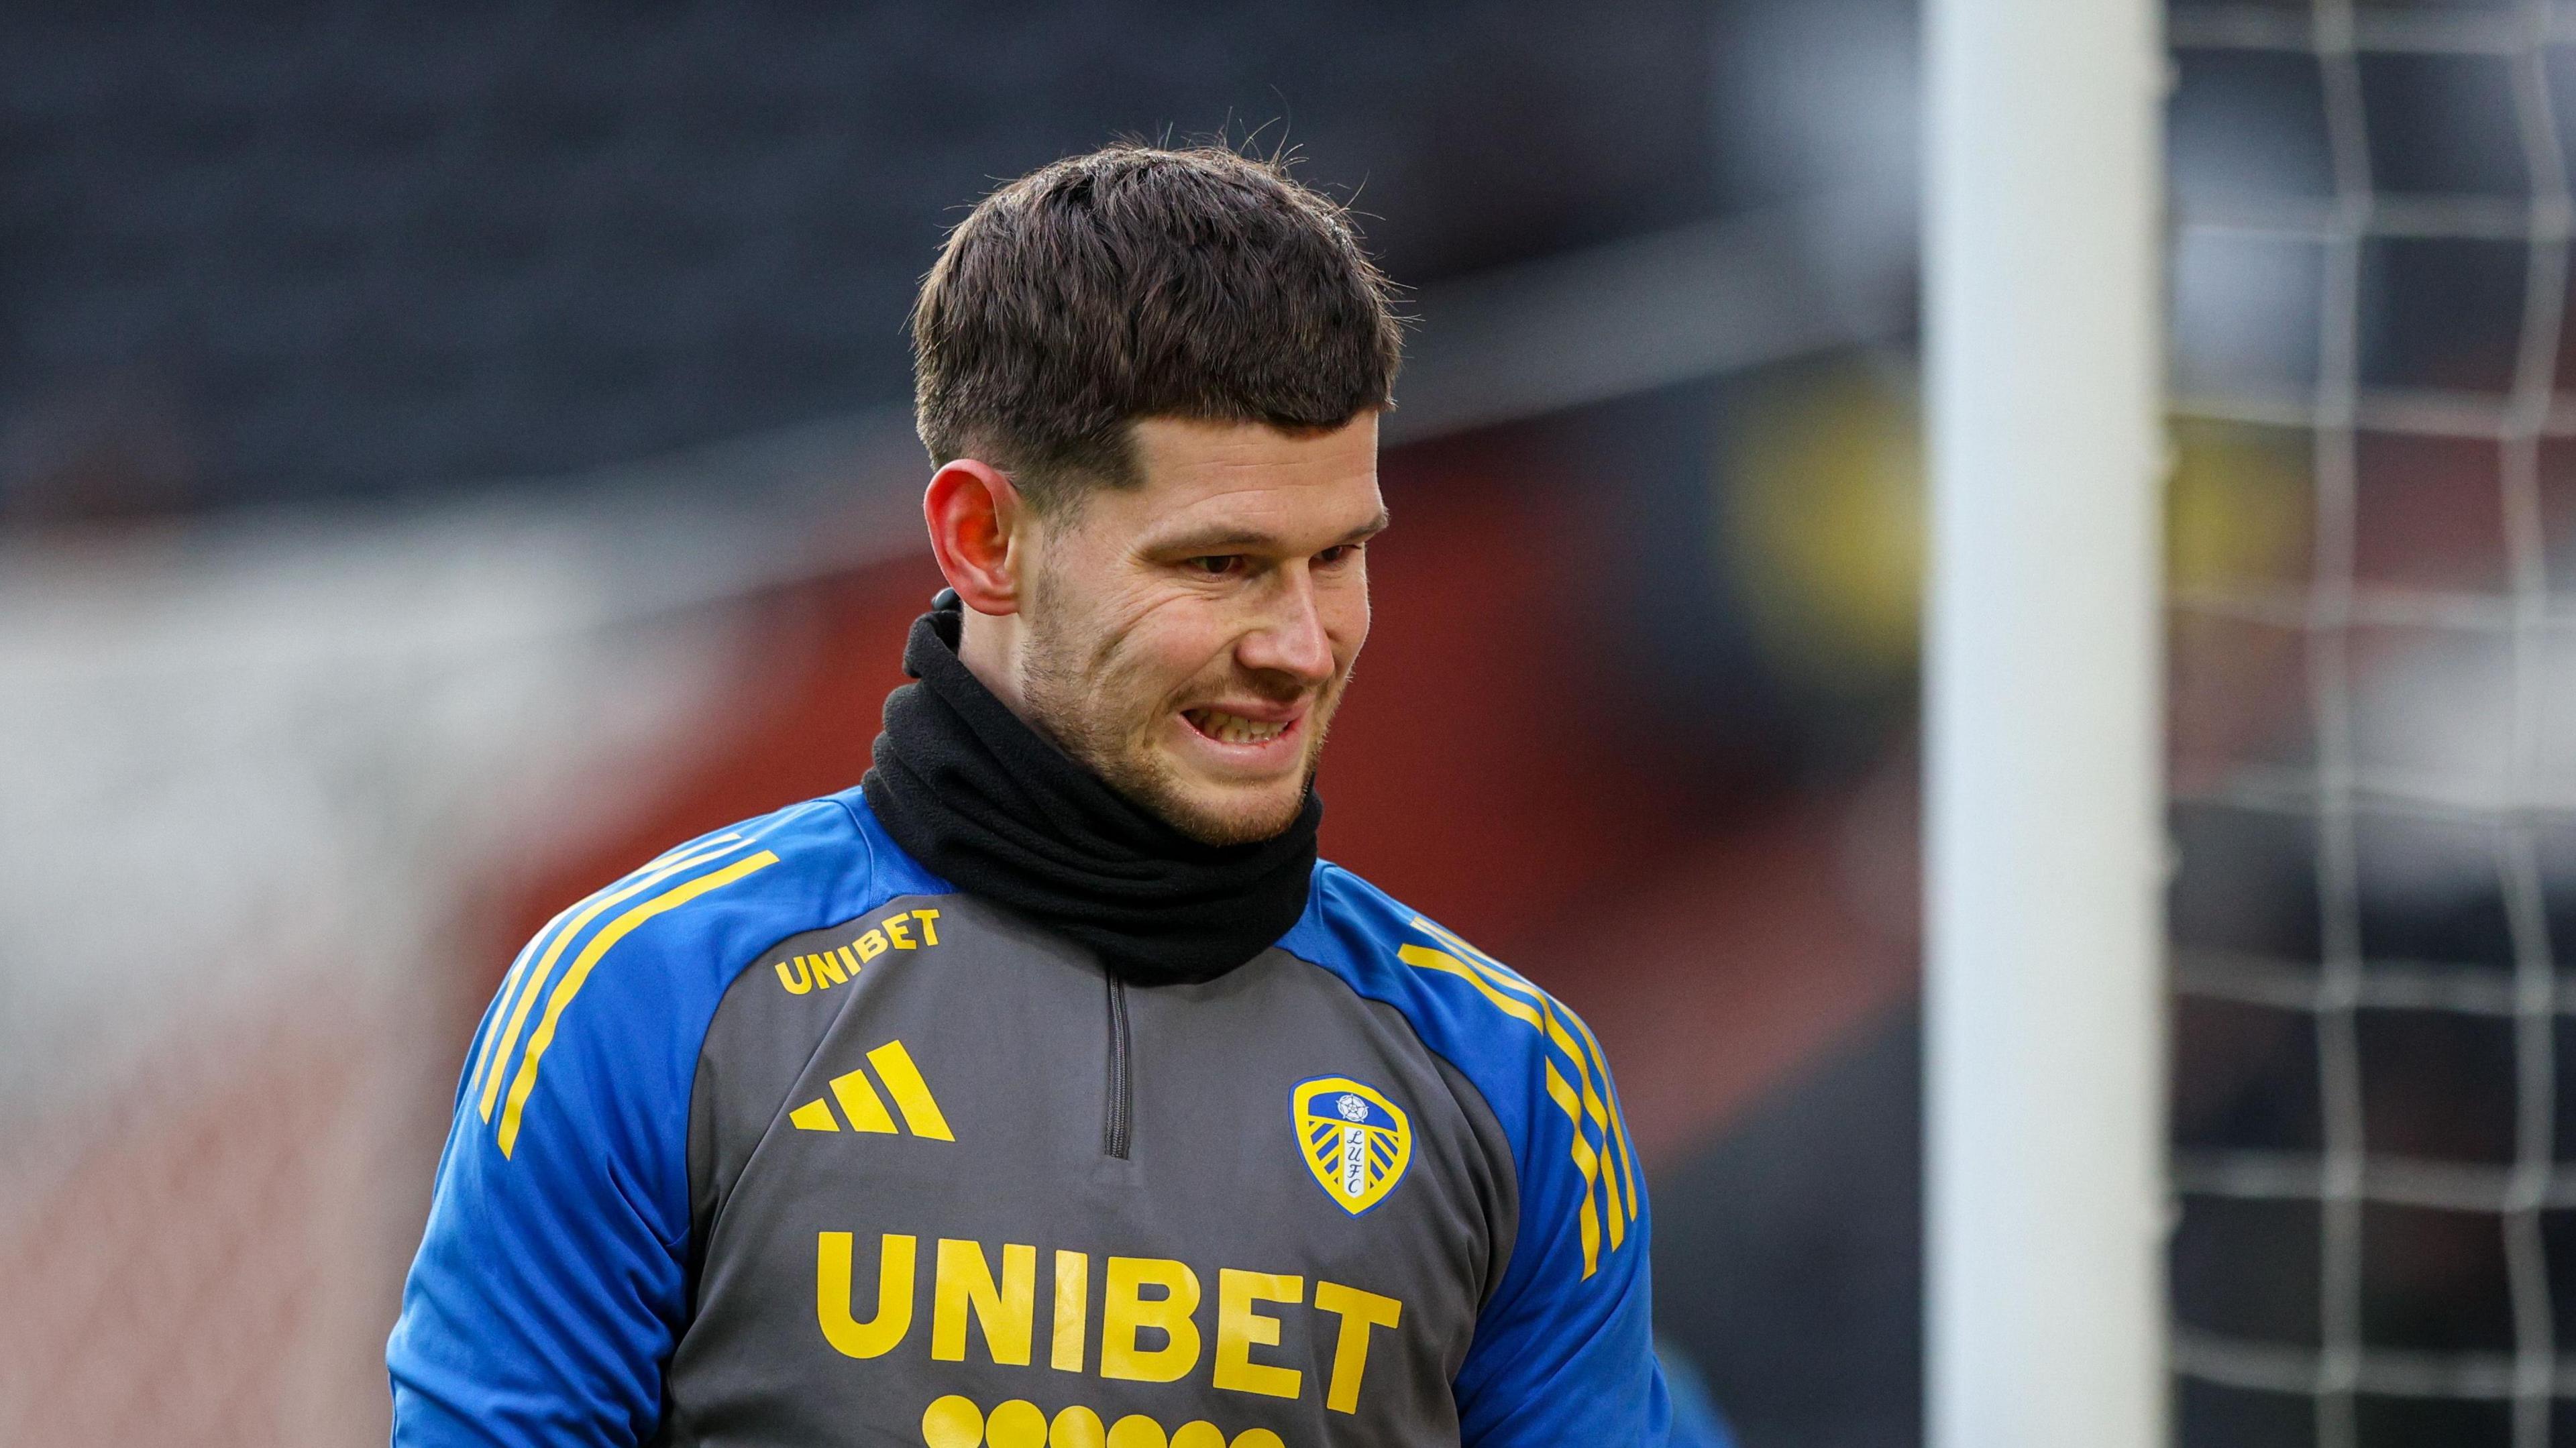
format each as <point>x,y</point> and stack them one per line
<point>978,527</point>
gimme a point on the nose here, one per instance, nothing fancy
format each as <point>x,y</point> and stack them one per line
<point>1291,638</point>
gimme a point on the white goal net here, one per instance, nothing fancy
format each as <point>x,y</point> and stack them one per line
<point>2373,684</point>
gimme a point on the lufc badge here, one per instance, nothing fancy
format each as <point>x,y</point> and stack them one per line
<point>1354,1140</point>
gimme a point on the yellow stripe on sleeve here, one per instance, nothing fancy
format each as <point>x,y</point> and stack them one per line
<point>615,931</point>
<point>554,952</point>
<point>1492,969</point>
<point>1584,1161</point>
<point>1426,958</point>
<point>1615,1159</point>
<point>1618,1116</point>
<point>501,1003</point>
<point>1600,1123</point>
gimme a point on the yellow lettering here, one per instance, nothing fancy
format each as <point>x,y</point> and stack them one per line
<point>1239,1329</point>
<point>870,945</point>
<point>849,962</point>
<point>1198,1433</point>
<point>878,1335</point>
<point>1124,1312</point>
<point>827,971</point>
<point>966,1281</point>
<point>1072,1293</point>
<point>1359,1312</point>
<point>796,984</point>
<point>896,932</point>
<point>929,932</point>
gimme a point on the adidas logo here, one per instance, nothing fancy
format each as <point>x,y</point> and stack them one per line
<point>865,1110</point>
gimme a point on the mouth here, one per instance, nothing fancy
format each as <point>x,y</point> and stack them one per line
<point>1227,727</point>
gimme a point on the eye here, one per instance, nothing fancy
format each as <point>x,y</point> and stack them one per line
<point>1215,565</point>
<point>1338,553</point>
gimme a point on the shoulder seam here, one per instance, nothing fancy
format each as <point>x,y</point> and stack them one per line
<point>1410,1024</point>
<point>523,1084</point>
<point>859,827</point>
<point>533,969</point>
<point>1609,1171</point>
<point>748,837</point>
<point>733,981</point>
<point>1542,1011</point>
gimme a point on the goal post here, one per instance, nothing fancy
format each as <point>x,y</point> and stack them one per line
<point>2044,1114</point>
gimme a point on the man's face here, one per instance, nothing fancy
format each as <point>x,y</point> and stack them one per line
<point>1188,638</point>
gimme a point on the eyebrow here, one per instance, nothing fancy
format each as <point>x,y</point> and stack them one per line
<point>1229,540</point>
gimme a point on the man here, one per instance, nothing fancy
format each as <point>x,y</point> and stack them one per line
<point>1046,1089</point>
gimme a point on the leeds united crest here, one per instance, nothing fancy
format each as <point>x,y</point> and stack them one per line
<point>1355,1141</point>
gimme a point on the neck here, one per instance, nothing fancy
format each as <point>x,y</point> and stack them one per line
<point>989,646</point>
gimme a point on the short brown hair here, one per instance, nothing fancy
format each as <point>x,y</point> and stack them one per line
<point>1135,282</point>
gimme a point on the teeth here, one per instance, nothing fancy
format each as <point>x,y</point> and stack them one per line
<point>1234,729</point>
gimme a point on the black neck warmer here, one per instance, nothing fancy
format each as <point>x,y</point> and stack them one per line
<point>985,801</point>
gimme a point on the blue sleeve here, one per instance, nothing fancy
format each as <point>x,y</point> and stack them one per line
<point>550,1287</point>
<point>1564,1351</point>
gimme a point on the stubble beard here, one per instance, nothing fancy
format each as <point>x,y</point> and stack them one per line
<point>1087,701</point>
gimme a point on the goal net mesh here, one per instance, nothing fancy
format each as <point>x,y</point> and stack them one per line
<point>2373,684</point>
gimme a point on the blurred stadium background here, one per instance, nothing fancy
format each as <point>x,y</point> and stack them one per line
<point>445,456</point>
